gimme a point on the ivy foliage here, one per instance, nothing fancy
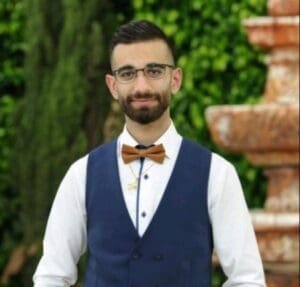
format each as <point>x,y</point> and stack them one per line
<point>220,67</point>
<point>11,89</point>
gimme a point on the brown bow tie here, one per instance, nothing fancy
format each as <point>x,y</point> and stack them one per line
<point>155,153</point>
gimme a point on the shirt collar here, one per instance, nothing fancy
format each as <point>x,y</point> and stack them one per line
<point>170,140</point>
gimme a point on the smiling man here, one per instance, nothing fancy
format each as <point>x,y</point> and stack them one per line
<point>149,206</point>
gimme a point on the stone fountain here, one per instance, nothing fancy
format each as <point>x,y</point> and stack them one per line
<point>268,135</point>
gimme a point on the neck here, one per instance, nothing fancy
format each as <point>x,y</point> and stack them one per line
<point>149,133</point>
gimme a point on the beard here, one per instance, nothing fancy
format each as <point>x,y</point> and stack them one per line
<point>145,115</point>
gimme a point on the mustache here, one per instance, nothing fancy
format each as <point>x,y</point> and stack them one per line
<point>143,96</point>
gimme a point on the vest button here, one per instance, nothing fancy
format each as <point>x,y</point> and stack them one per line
<point>158,257</point>
<point>136,255</point>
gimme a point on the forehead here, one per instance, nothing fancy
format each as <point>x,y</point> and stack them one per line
<point>141,53</point>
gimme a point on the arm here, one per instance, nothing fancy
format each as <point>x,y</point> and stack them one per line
<point>65,237</point>
<point>233,234</point>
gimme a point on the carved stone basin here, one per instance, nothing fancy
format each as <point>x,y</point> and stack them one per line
<point>261,131</point>
<point>268,32</point>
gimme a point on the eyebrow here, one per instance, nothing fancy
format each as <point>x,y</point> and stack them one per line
<point>152,64</point>
<point>123,68</point>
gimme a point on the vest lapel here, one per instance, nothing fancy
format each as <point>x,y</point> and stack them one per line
<point>165,200</point>
<point>106,168</point>
<point>119,194</point>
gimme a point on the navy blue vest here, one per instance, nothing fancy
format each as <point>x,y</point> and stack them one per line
<point>175,250</point>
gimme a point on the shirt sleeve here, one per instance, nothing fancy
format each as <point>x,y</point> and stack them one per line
<point>65,237</point>
<point>233,233</point>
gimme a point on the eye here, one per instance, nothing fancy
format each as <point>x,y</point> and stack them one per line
<point>154,72</point>
<point>126,74</point>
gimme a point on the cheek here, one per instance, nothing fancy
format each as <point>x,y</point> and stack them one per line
<point>123,90</point>
<point>166,88</point>
<point>162,86</point>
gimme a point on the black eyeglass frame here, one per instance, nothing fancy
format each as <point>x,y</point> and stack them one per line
<point>148,66</point>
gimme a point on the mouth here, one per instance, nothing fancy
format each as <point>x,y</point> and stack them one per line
<point>143,99</point>
<point>143,102</point>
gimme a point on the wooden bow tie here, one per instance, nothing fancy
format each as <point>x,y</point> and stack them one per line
<point>155,153</point>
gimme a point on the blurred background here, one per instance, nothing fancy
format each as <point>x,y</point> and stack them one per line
<point>54,106</point>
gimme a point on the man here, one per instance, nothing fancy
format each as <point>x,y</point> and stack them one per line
<point>150,206</point>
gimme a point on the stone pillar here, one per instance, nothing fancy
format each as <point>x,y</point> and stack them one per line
<point>268,134</point>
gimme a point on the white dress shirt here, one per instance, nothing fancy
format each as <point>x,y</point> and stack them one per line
<point>234,239</point>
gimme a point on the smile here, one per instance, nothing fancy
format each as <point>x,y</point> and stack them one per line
<point>143,102</point>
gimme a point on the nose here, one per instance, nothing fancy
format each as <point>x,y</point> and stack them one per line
<point>141,83</point>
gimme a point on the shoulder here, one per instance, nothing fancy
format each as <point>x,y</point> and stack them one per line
<point>102,155</point>
<point>79,166</point>
<point>111,145</point>
<point>218,164</point>
<point>194,146</point>
<point>221,165</point>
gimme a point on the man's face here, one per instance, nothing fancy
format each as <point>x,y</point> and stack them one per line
<point>143,98</point>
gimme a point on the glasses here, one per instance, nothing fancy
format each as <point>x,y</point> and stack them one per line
<point>152,71</point>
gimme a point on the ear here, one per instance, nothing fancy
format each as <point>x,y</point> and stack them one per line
<point>111,84</point>
<point>176,80</point>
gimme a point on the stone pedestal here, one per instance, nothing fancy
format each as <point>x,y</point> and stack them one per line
<point>268,135</point>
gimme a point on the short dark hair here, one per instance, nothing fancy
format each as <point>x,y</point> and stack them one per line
<point>139,31</point>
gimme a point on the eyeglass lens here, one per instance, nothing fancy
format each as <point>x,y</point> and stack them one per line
<point>151,71</point>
